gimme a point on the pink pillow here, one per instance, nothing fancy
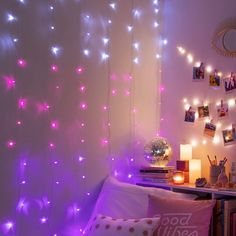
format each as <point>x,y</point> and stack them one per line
<point>108,226</point>
<point>180,216</point>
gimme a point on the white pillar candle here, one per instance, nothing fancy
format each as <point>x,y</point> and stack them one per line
<point>185,152</point>
<point>194,170</point>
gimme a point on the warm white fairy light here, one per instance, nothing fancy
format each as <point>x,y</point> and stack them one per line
<point>155,24</point>
<point>155,2</point>
<point>218,124</point>
<point>187,106</point>
<point>190,58</point>
<point>105,40</point>
<point>231,102</point>
<point>194,142</point>
<point>10,17</point>
<point>204,142</point>
<point>104,56</point>
<point>156,10</point>
<point>86,52</point>
<point>197,64</point>
<point>113,6</point>
<point>165,41</point>
<point>209,69</point>
<point>22,1</point>
<point>196,101</point>
<point>55,50</point>
<point>129,28</point>
<point>137,13</point>
<point>136,45</point>
<point>136,60</point>
<point>185,100</point>
<point>207,120</point>
<point>181,50</point>
<point>216,139</point>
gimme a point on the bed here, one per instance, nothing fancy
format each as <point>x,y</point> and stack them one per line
<point>127,209</point>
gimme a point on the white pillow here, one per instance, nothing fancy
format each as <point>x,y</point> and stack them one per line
<point>106,226</point>
<point>124,200</point>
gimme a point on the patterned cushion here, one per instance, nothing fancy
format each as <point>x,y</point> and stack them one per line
<point>181,216</point>
<point>107,226</point>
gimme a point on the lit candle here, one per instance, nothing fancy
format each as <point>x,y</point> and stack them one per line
<point>178,177</point>
<point>185,152</point>
<point>194,170</point>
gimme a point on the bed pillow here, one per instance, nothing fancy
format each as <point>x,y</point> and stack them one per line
<point>123,200</point>
<point>119,199</point>
<point>181,216</point>
<point>107,226</point>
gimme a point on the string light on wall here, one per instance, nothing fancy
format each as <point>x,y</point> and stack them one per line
<point>230,101</point>
<point>37,106</point>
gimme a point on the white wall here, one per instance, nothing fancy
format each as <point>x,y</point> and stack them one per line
<point>191,24</point>
<point>55,182</point>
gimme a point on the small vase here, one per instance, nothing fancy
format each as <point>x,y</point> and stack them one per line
<point>222,178</point>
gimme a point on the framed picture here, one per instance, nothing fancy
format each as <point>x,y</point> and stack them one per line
<point>199,73</point>
<point>229,136</point>
<point>222,110</point>
<point>230,83</point>
<point>189,115</point>
<point>203,111</point>
<point>210,129</point>
<point>214,79</point>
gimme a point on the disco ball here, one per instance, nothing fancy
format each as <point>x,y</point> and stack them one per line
<point>158,152</point>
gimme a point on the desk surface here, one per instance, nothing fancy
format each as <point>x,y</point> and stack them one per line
<point>191,188</point>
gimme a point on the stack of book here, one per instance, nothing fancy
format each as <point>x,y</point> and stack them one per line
<point>224,217</point>
<point>157,174</point>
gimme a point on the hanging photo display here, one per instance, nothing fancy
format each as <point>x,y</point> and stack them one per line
<point>203,111</point>
<point>230,83</point>
<point>229,135</point>
<point>222,110</point>
<point>199,72</point>
<point>214,79</point>
<point>210,129</point>
<point>189,115</point>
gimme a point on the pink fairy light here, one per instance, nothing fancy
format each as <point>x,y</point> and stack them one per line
<point>82,124</point>
<point>42,107</point>
<point>162,89</point>
<point>43,220</point>
<point>8,226</point>
<point>113,77</point>
<point>105,108</point>
<point>54,124</point>
<point>18,122</point>
<point>22,102</point>
<point>79,70</point>
<point>54,68</point>
<point>83,106</point>
<point>113,92</point>
<point>127,92</point>
<point>21,63</point>
<point>11,144</point>
<point>10,82</point>
<point>52,145</point>
<point>82,88</point>
<point>104,141</point>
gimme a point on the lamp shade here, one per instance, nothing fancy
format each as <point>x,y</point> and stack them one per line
<point>194,170</point>
<point>185,152</point>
